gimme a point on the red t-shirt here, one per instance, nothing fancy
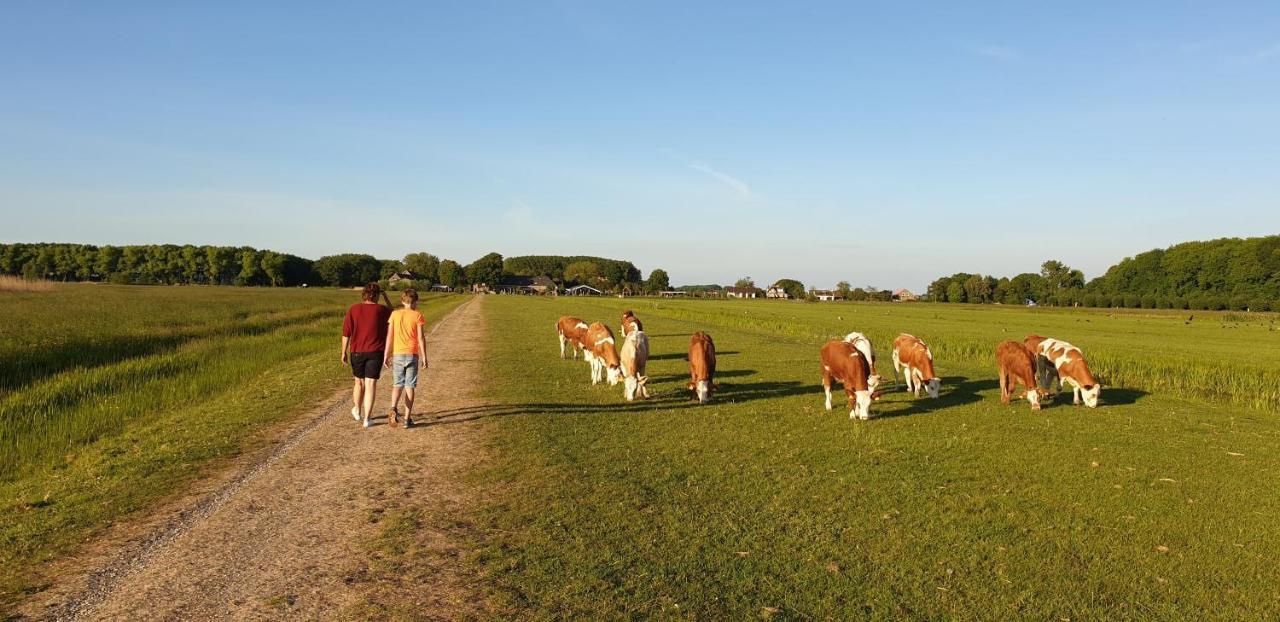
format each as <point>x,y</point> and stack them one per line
<point>366,327</point>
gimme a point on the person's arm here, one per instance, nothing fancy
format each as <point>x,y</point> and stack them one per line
<point>386,301</point>
<point>386,349</point>
<point>422,347</point>
<point>348,326</point>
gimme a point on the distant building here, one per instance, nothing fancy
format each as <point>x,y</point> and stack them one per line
<point>904,295</point>
<point>407,277</point>
<point>582,290</point>
<point>743,292</point>
<point>536,285</point>
<point>440,287</point>
<point>825,295</point>
<point>777,292</point>
<point>672,293</point>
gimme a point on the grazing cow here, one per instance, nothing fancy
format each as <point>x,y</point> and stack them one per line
<point>1017,364</point>
<point>630,323</point>
<point>634,357</point>
<point>842,361</point>
<point>572,331</point>
<point>702,366</point>
<point>913,357</point>
<point>603,356</point>
<point>863,344</point>
<point>1069,362</point>
<point>1046,374</point>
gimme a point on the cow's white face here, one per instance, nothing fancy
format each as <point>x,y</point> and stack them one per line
<point>861,405</point>
<point>1033,396</point>
<point>615,374</point>
<point>1091,395</point>
<point>873,381</point>
<point>704,391</point>
<point>932,387</point>
<point>629,386</point>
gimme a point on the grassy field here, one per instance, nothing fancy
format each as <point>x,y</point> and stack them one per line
<point>113,397</point>
<point>1160,504</point>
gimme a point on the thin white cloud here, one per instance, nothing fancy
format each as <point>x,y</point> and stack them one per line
<point>738,186</point>
<point>995,52</point>
<point>1262,55</point>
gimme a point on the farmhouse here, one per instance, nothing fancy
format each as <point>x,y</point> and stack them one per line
<point>405,277</point>
<point>824,295</point>
<point>537,285</point>
<point>672,293</point>
<point>441,287</point>
<point>904,295</point>
<point>582,290</point>
<point>743,292</point>
<point>777,292</point>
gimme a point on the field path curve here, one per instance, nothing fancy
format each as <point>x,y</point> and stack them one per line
<point>289,535</point>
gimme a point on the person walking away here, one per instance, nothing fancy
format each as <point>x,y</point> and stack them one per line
<point>406,354</point>
<point>364,334</point>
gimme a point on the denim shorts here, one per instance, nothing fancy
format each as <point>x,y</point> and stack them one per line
<point>404,367</point>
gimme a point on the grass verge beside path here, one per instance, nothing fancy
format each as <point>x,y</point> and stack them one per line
<point>764,504</point>
<point>96,440</point>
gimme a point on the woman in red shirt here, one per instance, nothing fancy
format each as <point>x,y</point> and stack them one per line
<point>364,331</point>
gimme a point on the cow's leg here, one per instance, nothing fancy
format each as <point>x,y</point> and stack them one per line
<point>562,340</point>
<point>896,363</point>
<point>1004,385</point>
<point>1075,394</point>
<point>826,386</point>
<point>853,401</point>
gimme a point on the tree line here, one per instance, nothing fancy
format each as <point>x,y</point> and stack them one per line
<point>1229,273</point>
<point>172,264</point>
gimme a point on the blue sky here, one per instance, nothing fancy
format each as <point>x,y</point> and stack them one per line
<point>883,144</point>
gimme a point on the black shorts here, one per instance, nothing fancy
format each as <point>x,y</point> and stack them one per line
<point>366,364</point>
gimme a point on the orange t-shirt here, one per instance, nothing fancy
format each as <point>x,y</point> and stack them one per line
<point>404,330</point>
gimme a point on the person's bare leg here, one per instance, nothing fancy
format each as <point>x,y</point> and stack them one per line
<point>395,398</point>
<point>408,405</point>
<point>370,390</point>
<point>357,396</point>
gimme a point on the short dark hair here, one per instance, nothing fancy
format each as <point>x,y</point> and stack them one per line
<point>409,295</point>
<point>371,291</point>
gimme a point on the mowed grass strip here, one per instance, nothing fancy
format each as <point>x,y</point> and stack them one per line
<point>91,443</point>
<point>763,503</point>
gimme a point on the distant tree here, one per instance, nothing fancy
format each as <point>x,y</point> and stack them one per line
<point>217,261</point>
<point>273,266</point>
<point>860,294</point>
<point>486,270</point>
<point>956,292</point>
<point>658,281</point>
<point>250,268</point>
<point>794,288</point>
<point>424,266</point>
<point>843,289</point>
<point>389,267</point>
<point>451,274</point>
<point>745,281</point>
<point>976,289</point>
<point>581,272</point>
<point>348,270</point>
<point>108,260</point>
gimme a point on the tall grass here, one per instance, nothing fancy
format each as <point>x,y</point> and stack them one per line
<point>10,283</point>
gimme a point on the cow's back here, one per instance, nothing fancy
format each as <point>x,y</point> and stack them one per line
<point>1015,358</point>
<point>702,356</point>
<point>846,362</point>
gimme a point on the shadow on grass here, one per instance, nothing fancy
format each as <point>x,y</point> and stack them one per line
<point>728,373</point>
<point>956,391</point>
<point>1110,397</point>
<point>680,356</point>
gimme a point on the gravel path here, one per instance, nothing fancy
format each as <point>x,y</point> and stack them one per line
<point>287,535</point>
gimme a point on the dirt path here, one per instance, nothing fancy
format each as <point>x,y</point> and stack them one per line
<point>290,535</point>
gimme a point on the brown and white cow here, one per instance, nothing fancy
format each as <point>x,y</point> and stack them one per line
<point>572,331</point>
<point>702,366</point>
<point>863,344</point>
<point>633,359</point>
<point>1046,374</point>
<point>912,356</point>
<point>603,356</point>
<point>1073,370</point>
<point>630,323</point>
<point>1017,365</point>
<point>842,361</point>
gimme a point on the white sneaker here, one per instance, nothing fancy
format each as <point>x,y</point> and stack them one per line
<point>355,413</point>
<point>366,423</point>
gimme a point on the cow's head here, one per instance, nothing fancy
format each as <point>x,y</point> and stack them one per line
<point>873,381</point>
<point>1034,396</point>
<point>703,391</point>
<point>861,405</point>
<point>632,384</point>
<point>1090,393</point>
<point>615,374</point>
<point>932,387</point>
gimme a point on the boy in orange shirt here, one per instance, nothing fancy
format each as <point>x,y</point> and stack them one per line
<point>405,354</point>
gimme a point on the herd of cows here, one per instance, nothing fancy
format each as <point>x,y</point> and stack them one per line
<point>1034,363</point>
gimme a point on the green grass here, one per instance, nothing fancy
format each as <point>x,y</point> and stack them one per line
<point>1160,504</point>
<point>112,398</point>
